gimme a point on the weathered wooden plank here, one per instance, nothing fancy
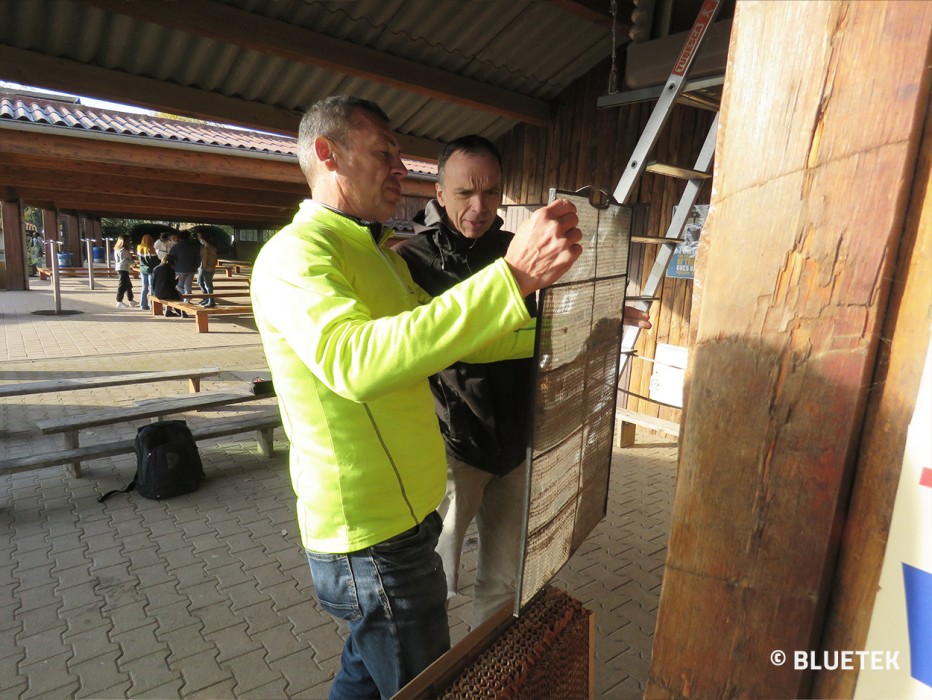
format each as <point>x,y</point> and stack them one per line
<point>152,409</point>
<point>905,337</point>
<point>78,383</point>
<point>11,227</point>
<point>811,192</point>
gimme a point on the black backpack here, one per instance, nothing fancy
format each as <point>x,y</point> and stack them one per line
<point>167,461</point>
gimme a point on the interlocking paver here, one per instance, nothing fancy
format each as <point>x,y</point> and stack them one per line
<point>204,594</point>
<point>216,617</point>
<point>233,641</point>
<point>251,671</point>
<point>33,597</point>
<point>98,672</point>
<point>186,641</point>
<point>48,676</point>
<point>151,677</point>
<point>275,689</point>
<point>138,642</point>
<point>279,642</point>
<point>303,675</point>
<point>172,617</point>
<point>201,671</point>
<point>244,594</point>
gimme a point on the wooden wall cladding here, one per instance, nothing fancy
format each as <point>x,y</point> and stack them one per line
<point>589,147</point>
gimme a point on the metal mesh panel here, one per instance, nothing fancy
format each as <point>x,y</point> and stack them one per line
<point>544,654</point>
<point>579,340</point>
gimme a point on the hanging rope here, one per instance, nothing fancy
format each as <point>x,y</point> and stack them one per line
<point>613,73</point>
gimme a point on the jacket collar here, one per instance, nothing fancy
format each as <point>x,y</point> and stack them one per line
<point>378,232</point>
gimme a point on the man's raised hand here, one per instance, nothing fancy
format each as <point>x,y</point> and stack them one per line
<point>545,246</point>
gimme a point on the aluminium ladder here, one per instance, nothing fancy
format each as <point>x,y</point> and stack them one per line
<point>672,93</point>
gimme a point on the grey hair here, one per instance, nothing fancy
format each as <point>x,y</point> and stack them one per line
<point>333,118</point>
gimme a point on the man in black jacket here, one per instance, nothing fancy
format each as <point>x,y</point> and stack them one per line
<point>483,408</point>
<point>164,283</point>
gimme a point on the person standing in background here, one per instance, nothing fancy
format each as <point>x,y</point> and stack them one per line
<point>165,243</point>
<point>123,261</point>
<point>483,408</point>
<point>205,273</point>
<point>148,261</point>
<point>187,253</point>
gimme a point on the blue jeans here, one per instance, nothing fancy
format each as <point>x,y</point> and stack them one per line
<point>205,280</point>
<point>185,282</point>
<point>146,278</point>
<point>393,595</point>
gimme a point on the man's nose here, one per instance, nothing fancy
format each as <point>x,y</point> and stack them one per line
<point>480,202</point>
<point>398,167</point>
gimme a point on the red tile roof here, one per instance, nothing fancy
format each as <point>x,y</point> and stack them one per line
<point>31,108</point>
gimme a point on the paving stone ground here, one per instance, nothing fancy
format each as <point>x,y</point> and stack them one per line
<point>208,595</point>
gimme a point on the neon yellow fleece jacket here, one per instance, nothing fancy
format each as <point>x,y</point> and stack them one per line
<point>350,340</point>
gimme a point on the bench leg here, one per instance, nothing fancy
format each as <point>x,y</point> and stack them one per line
<point>194,385</point>
<point>71,442</point>
<point>265,441</point>
<point>201,318</point>
<point>156,307</point>
<point>624,434</point>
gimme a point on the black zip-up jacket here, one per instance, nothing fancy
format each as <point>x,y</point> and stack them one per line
<point>483,408</point>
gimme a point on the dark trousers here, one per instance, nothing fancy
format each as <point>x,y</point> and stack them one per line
<point>125,286</point>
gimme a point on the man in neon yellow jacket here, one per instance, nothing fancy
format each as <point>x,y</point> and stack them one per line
<point>350,341</point>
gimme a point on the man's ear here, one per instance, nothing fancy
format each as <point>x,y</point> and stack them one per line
<point>323,149</point>
<point>439,189</point>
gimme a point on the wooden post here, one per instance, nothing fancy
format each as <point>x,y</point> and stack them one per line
<point>14,244</point>
<point>89,244</point>
<point>71,237</point>
<point>812,188</point>
<point>50,229</point>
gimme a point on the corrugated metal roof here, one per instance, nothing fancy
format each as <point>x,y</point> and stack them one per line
<point>72,114</point>
<point>529,47</point>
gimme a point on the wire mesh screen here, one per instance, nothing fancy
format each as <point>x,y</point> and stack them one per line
<point>578,346</point>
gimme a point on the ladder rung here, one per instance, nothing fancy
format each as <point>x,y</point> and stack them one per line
<point>647,398</point>
<point>659,240</point>
<point>676,171</point>
<point>653,92</point>
<point>699,100</point>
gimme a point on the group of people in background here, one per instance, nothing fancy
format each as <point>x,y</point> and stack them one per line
<point>167,267</point>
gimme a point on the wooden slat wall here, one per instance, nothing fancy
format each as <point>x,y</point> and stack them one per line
<point>586,146</point>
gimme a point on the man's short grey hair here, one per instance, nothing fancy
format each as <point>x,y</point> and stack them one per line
<point>471,144</point>
<point>333,118</point>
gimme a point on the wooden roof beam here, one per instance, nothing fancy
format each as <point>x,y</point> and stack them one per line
<point>121,185</point>
<point>43,165</point>
<point>65,143</point>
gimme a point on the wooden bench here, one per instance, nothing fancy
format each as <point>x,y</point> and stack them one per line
<point>217,293</point>
<point>625,432</point>
<point>46,272</point>
<point>234,267</point>
<point>70,426</point>
<point>264,423</point>
<point>200,313</point>
<point>193,376</point>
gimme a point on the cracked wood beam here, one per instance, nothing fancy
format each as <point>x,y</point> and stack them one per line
<point>811,197</point>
